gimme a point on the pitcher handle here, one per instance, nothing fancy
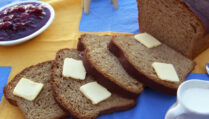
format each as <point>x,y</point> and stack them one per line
<point>175,112</point>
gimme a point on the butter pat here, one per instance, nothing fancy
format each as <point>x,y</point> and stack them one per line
<point>147,40</point>
<point>74,69</point>
<point>27,89</point>
<point>166,72</point>
<point>95,92</point>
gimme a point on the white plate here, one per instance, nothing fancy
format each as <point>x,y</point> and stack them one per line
<point>24,39</point>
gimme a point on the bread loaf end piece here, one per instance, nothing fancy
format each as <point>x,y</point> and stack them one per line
<point>174,23</point>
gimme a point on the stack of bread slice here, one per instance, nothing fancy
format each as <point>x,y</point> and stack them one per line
<point>68,95</point>
<point>102,64</point>
<point>120,64</point>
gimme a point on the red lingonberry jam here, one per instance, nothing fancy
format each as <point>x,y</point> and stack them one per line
<point>21,20</point>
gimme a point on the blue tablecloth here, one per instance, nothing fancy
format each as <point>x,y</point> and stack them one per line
<point>4,74</point>
<point>5,2</point>
<point>103,17</point>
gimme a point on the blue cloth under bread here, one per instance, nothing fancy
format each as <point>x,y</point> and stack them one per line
<point>4,75</point>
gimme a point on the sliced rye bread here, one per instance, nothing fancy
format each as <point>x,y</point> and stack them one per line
<point>67,93</point>
<point>44,106</point>
<point>105,67</point>
<point>137,61</point>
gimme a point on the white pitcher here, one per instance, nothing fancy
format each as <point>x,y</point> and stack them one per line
<point>192,101</point>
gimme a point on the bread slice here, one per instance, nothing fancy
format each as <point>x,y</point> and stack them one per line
<point>181,24</point>
<point>137,61</point>
<point>67,93</point>
<point>44,106</point>
<point>105,67</point>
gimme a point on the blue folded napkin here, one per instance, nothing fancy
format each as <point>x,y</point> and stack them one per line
<point>4,75</point>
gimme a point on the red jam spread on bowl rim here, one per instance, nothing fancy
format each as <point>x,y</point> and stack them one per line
<point>21,20</point>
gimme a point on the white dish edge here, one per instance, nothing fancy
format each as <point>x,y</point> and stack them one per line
<point>43,28</point>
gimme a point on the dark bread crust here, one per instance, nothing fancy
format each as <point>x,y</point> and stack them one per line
<point>102,78</point>
<point>199,8</point>
<point>70,109</point>
<point>16,79</point>
<point>144,78</point>
<point>11,101</point>
<point>197,45</point>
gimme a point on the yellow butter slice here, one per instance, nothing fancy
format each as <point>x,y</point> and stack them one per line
<point>166,71</point>
<point>147,40</point>
<point>95,92</point>
<point>74,68</point>
<point>27,89</point>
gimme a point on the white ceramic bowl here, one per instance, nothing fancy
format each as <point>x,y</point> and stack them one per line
<point>24,39</point>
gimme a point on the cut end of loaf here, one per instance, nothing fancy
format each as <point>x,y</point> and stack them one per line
<point>173,23</point>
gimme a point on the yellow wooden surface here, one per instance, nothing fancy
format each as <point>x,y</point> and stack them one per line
<point>63,33</point>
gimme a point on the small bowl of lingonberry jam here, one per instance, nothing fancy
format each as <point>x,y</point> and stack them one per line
<point>21,21</point>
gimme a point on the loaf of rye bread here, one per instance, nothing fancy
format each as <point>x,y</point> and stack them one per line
<point>67,93</point>
<point>181,24</point>
<point>44,106</point>
<point>105,67</point>
<point>137,61</point>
